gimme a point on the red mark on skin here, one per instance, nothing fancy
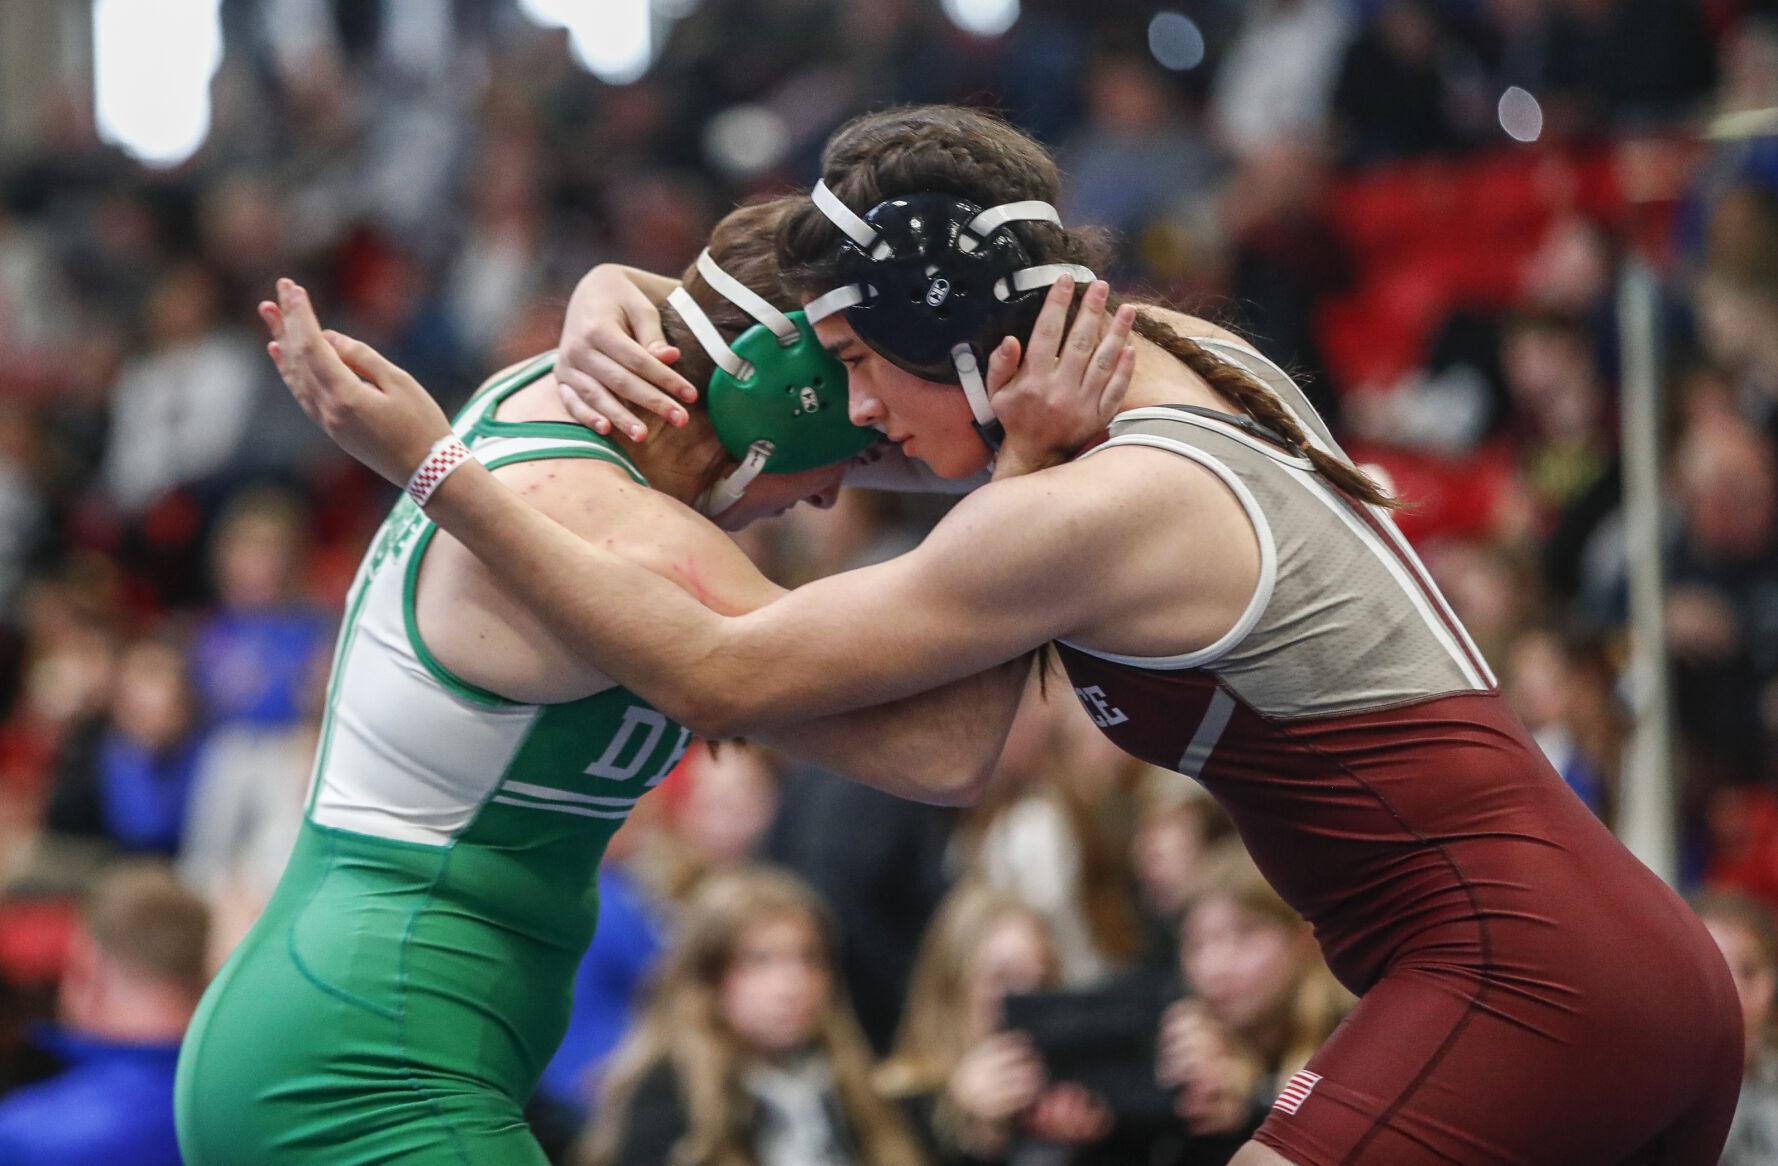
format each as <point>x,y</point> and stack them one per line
<point>687,570</point>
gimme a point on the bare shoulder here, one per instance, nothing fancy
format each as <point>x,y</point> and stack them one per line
<point>590,495</point>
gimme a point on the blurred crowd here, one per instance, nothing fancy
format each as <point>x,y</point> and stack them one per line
<point>1083,968</point>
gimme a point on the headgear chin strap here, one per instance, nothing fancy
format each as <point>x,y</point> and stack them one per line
<point>935,283</point>
<point>777,398</point>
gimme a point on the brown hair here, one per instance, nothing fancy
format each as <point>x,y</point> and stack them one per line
<point>1746,912</point>
<point>682,1026</point>
<point>145,919</point>
<point>934,1032</point>
<point>1318,1003</point>
<point>741,243</point>
<point>983,159</point>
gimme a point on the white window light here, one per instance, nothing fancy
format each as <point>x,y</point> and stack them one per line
<point>612,39</point>
<point>983,17</point>
<point>153,61</point>
<point>1520,115</point>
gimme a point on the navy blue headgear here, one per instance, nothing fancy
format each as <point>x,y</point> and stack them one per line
<point>934,283</point>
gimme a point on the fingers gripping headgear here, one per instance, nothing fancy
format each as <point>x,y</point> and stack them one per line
<point>935,282</point>
<point>776,398</point>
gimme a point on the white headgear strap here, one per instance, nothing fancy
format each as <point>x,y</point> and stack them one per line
<point>1043,275</point>
<point>823,306</point>
<point>847,220</point>
<point>728,491</point>
<point>995,217</point>
<point>745,298</point>
<point>975,390</point>
<point>701,327</point>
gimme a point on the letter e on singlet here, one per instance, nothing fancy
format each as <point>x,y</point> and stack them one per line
<point>1104,714</point>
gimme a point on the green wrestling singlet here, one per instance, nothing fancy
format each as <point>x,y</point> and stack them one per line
<point>412,975</point>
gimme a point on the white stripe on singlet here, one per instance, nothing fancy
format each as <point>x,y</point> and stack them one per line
<point>1419,594</point>
<point>612,815</point>
<point>551,794</point>
<point>1268,560</point>
<point>1203,742</point>
<point>1431,588</point>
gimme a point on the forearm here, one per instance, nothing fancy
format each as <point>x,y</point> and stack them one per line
<point>938,746</point>
<point>655,287</point>
<point>819,652</point>
<point>654,642</point>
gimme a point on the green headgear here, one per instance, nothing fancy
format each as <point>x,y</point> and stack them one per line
<point>777,398</point>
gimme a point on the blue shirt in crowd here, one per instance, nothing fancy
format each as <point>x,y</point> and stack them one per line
<point>112,1105</point>
<point>253,667</point>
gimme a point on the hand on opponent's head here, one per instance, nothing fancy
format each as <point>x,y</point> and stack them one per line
<point>373,410</point>
<point>614,357</point>
<point>1056,393</point>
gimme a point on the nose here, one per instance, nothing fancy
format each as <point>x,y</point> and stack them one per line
<point>862,405</point>
<point>824,499</point>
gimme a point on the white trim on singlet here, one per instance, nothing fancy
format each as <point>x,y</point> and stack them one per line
<point>1416,590</point>
<point>1210,729</point>
<point>608,815</point>
<point>1313,426</point>
<point>1432,588</point>
<point>1268,561</point>
<point>552,794</point>
<point>1214,425</point>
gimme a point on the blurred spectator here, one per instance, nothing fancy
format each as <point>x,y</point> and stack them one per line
<point>1747,86</point>
<point>1261,1002</point>
<point>1629,62</point>
<point>133,978</point>
<point>1737,299</point>
<point>976,1090</point>
<point>245,811</point>
<point>1400,88</point>
<point>253,655</point>
<point>609,989</point>
<point>1138,166</point>
<point>747,1052</point>
<point>133,790</point>
<point>1047,831</point>
<point>1177,827</point>
<point>720,805</point>
<point>882,884</point>
<point>181,409</point>
<point>1564,435</point>
<point>68,661</point>
<point>1722,600</point>
<point>1745,930</point>
<point>1276,83</point>
<point>1493,591</point>
<point>1284,258</point>
<point>1563,694</point>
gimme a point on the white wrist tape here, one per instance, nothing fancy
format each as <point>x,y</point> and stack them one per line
<point>446,454</point>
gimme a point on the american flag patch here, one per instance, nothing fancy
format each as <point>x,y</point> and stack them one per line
<point>1296,1091</point>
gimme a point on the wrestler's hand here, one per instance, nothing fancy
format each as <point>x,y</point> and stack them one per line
<point>1064,391</point>
<point>613,356</point>
<point>372,410</point>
